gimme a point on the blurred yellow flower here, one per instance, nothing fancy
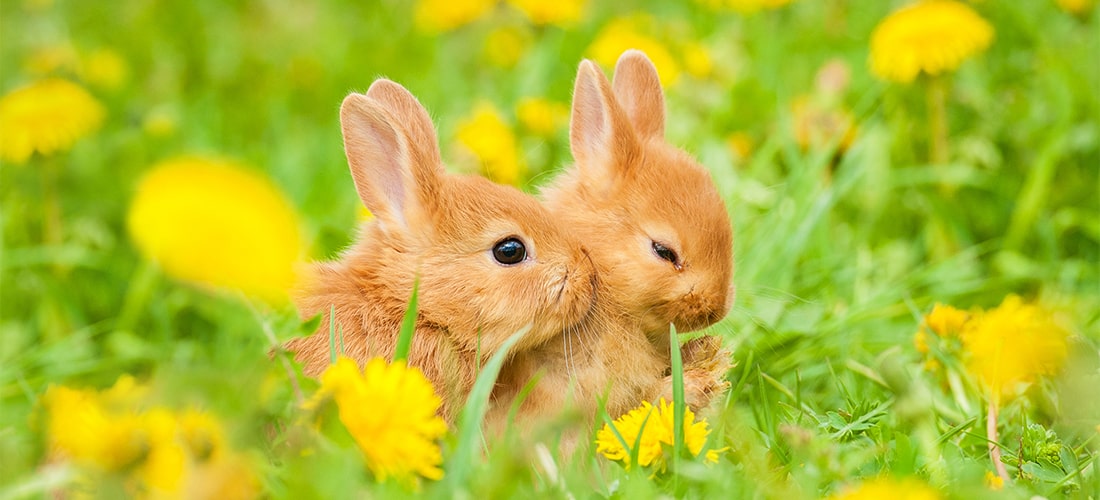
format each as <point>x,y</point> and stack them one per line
<point>485,134</point>
<point>994,482</point>
<point>929,36</point>
<point>627,33</point>
<point>559,12</point>
<point>505,46</point>
<point>658,434</point>
<point>390,410</point>
<point>217,223</point>
<point>157,452</point>
<point>46,117</point>
<point>897,489</point>
<point>104,68</point>
<point>697,60</point>
<point>744,6</point>
<point>740,144</point>
<point>435,16</point>
<point>1078,7</point>
<point>1012,344</point>
<point>83,430</point>
<point>542,116</point>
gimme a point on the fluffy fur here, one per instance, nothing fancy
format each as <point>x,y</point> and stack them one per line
<point>442,228</point>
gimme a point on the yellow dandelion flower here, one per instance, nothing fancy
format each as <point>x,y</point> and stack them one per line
<point>697,60</point>
<point>627,33</point>
<point>485,134</point>
<point>216,223</point>
<point>164,467</point>
<point>561,12</point>
<point>436,16</point>
<point>505,46</point>
<point>390,410</point>
<point>658,434</point>
<point>46,117</point>
<point>945,320</point>
<point>1013,344</point>
<point>740,144</point>
<point>105,69</point>
<point>993,481</point>
<point>900,489</point>
<point>201,435</point>
<point>930,36</point>
<point>1077,7</point>
<point>542,116</point>
<point>81,429</point>
<point>744,6</point>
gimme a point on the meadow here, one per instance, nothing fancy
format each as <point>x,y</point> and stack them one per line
<point>916,209</point>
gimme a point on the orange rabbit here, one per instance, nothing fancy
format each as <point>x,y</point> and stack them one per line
<point>658,231</point>
<point>490,259</point>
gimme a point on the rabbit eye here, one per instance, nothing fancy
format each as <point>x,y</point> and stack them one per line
<point>666,253</point>
<point>509,251</point>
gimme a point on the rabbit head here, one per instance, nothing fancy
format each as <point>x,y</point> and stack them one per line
<point>646,210</point>
<point>490,259</point>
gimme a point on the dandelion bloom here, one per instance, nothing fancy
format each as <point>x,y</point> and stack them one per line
<point>216,223</point>
<point>541,116</point>
<point>1079,7</point>
<point>1013,344</point>
<point>506,45</point>
<point>658,434</point>
<point>485,134</point>
<point>390,410</point>
<point>46,117</point>
<point>930,36</point>
<point>436,16</point>
<point>745,6</point>
<point>155,451</point>
<point>899,489</point>
<point>560,12</point>
<point>104,68</point>
<point>627,33</point>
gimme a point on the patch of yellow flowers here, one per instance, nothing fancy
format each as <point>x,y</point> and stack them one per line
<point>111,436</point>
<point>1004,348</point>
<point>657,430</point>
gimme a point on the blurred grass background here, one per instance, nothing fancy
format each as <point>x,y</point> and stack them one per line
<point>845,234</point>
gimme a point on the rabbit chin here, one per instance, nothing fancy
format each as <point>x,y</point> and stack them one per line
<point>688,313</point>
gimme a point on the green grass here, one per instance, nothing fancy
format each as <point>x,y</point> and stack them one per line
<point>838,254</point>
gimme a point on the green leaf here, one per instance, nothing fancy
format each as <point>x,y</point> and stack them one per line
<point>408,326</point>
<point>473,413</point>
<point>677,394</point>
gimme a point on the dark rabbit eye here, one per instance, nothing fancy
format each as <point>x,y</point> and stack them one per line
<point>666,253</point>
<point>509,251</point>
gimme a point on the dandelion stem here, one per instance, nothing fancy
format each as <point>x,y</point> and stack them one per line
<point>937,120</point>
<point>991,435</point>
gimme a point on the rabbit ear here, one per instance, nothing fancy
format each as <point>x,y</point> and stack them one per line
<point>392,180</point>
<point>638,89</point>
<point>401,104</point>
<point>599,134</point>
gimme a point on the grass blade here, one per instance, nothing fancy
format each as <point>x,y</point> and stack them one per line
<point>677,395</point>
<point>408,326</point>
<point>469,422</point>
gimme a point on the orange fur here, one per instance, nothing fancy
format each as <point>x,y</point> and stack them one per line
<point>629,189</point>
<point>441,228</point>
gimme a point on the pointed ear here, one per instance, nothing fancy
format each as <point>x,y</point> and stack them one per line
<point>384,168</point>
<point>638,90</point>
<point>404,106</point>
<point>599,134</point>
